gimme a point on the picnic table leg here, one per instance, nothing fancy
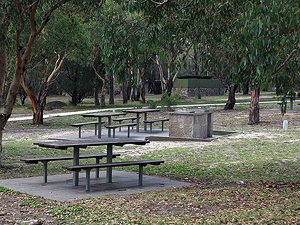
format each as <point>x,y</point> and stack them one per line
<point>99,128</point>
<point>120,127</point>
<point>210,125</point>
<point>95,129</point>
<point>79,129</point>
<point>75,162</point>
<point>109,123</point>
<point>88,180</point>
<point>291,103</point>
<point>97,169</point>
<point>145,119</point>
<point>138,122</point>
<point>45,171</point>
<point>141,175</point>
<point>109,160</point>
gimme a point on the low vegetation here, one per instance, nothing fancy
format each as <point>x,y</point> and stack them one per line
<point>251,177</point>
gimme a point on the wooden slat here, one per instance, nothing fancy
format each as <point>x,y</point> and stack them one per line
<point>156,120</point>
<point>121,125</point>
<point>67,157</point>
<point>87,123</point>
<point>86,143</point>
<point>113,164</point>
<point>128,118</point>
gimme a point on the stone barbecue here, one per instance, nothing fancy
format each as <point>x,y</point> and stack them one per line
<point>191,124</point>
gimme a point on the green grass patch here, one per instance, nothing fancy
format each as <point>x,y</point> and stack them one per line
<point>229,173</point>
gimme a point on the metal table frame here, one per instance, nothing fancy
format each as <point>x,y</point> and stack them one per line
<point>100,115</point>
<point>77,144</point>
<point>138,112</point>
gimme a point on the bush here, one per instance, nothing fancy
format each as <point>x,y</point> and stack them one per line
<point>168,101</point>
<point>153,104</point>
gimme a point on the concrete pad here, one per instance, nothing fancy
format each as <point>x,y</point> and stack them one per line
<point>61,188</point>
<point>155,135</point>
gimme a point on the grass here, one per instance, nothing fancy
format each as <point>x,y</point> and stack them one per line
<point>249,178</point>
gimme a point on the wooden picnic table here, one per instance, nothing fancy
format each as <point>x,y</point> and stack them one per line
<point>138,112</point>
<point>77,144</point>
<point>99,116</point>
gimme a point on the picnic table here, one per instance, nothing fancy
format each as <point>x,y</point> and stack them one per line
<point>77,144</point>
<point>99,116</point>
<point>138,112</point>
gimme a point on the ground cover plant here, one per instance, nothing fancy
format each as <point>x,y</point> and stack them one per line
<point>251,177</point>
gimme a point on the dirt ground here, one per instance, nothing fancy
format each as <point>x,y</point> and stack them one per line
<point>14,210</point>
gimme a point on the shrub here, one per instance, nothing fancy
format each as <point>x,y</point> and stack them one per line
<point>168,101</point>
<point>153,104</point>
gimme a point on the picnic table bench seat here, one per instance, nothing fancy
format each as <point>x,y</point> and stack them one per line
<point>45,161</point>
<point>121,125</point>
<point>88,168</point>
<point>162,120</point>
<point>120,120</point>
<point>79,125</point>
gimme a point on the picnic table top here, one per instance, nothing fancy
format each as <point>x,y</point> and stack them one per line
<point>105,114</point>
<point>86,143</point>
<point>141,110</point>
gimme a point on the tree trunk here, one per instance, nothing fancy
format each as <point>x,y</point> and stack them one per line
<point>103,89</point>
<point>74,98</point>
<point>231,97</point>
<point>102,99</point>
<point>143,91</point>
<point>3,60</point>
<point>3,68</point>
<point>96,96</point>
<point>254,107</point>
<point>111,89</point>
<point>138,93</point>
<point>40,106</point>
<point>132,95</point>
<point>125,90</point>
<point>169,86</point>
<point>196,62</point>
<point>246,89</point>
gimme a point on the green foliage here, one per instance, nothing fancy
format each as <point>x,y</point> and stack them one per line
<point>76,80</point>
<point>269,31</point>
<point>169,101</point>
<point>153,104</point>
<point>3,189</point>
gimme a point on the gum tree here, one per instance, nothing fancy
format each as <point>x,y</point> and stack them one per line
<point>269,35</point>
<point>66,36</point>
<point>20,19</point>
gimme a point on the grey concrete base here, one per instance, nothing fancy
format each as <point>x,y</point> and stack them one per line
<point>60,187</point>
<point>155,135</point>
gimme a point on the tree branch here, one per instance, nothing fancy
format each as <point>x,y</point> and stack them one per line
<point>289,56</point>
<point>57,66</point>
<point>159,4</point>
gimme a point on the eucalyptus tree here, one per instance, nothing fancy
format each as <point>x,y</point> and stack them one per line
<point>253,39</point>
<point>170,39</point>
<point>26,20</point>
<point>217,43</point>
<point>76,79</point>
<point>269,37</point>
<point>119,44</point>
<point>66,36</point>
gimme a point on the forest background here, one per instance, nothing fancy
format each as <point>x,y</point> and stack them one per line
<point>81,47</point>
